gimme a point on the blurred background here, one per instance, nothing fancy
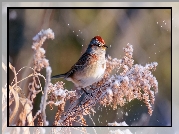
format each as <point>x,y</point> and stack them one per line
<point>148,30</point>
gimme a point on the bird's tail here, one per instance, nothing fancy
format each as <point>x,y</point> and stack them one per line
<point>59,76</point>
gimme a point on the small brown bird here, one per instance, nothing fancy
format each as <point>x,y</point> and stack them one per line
<point>90,67</point>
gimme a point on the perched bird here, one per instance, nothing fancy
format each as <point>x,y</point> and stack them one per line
<point>90,67</point>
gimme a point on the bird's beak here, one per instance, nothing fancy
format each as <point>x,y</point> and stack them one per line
<point>105,46</point>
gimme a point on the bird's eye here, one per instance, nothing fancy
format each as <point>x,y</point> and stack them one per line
<point>99,45</point>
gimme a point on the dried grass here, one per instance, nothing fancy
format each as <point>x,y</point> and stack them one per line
<point>134,82</point>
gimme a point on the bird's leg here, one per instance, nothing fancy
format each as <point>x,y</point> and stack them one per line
<point>86,92</point>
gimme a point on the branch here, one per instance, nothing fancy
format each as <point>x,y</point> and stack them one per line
<point>44,97</point>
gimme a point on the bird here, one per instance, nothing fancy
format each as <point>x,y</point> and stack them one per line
<point>90,67</point>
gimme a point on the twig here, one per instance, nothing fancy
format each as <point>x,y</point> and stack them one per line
<point>44,97</point>
<point>15,94</point>
<point>15,75</point>
<point>16,97</point>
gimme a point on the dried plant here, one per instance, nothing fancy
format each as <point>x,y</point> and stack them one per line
<point>130,81</point>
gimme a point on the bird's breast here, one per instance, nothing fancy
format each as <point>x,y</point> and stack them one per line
<point>91,74</point>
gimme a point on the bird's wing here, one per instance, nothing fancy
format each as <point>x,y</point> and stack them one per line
<point>80,64</point>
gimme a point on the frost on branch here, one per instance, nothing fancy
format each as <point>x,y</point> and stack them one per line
<point>39,58</point>
<point>118,131</point>
<point>118,124</point>
<point>130,81</point>
<point>134,82</point>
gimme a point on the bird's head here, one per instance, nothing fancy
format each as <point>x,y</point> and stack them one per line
<point>97,44</point>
